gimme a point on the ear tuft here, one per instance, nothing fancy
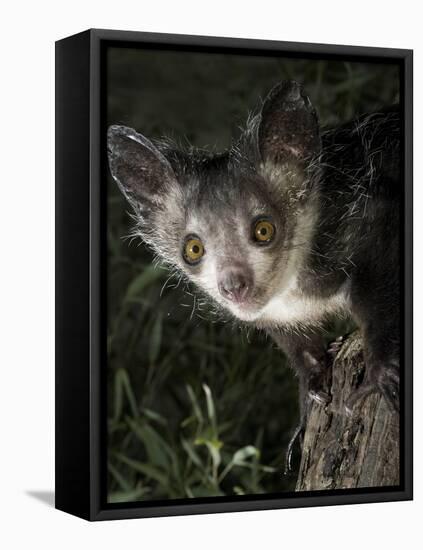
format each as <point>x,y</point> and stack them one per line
<point>140,170</point>
<point>289,129</point>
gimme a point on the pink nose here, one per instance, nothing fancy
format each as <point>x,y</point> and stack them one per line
<point>235,285</point>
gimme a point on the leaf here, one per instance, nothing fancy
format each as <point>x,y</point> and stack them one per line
<point>213,446</point>
<point>127,496</point>
<point>267,469</point>
<point>195,405</point>
<point>156,339</point>
<point>240,456</point>
<point>206,491</point>
<point>214,452</point>
<point>146,469</point>
<point>157,449</point>
<point>191,453</point>
<point>123,385</point>
<point>123,484</point>
<point>142,281</point>
<point>153,415</point>
<point>210,408</point>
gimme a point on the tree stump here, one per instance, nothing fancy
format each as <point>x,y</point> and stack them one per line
<point>343,452</point>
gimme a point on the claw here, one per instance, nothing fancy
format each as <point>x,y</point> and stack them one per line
<point>298,434</point>
<point>335,346</point>
<point>383,380</point>
<point>320,397</point>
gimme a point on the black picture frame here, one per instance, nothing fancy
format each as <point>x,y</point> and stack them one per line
<point>80,288</point>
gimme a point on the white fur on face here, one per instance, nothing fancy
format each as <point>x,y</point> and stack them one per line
<point>220,251</point>
<point>286,303</point>
<point>226,236</point>
<point>271,287</point>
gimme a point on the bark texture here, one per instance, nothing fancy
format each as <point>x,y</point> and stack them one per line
<point>342,452</point>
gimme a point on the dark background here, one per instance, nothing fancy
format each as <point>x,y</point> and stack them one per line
<point>198,407</point>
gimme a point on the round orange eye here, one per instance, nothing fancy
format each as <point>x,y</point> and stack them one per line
<point>193,250</point>
<point>264,231</point>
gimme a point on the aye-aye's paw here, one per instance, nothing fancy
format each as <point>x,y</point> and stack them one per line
<point>378,379</point>
<point>320,372</point>
<point>317,390</point>
<point>335,346</point>
<point>317,386</point>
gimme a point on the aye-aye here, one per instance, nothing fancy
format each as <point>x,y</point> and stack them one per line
<point>287,227</point>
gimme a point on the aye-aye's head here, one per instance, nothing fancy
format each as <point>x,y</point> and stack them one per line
<point>236,223</point>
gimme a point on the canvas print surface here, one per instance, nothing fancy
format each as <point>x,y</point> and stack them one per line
<point>253,274</point>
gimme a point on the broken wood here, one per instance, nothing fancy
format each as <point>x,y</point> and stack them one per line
<point>344,452</point>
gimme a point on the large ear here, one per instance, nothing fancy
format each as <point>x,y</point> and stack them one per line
<point>288,129</point>
<point>138,167</point>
